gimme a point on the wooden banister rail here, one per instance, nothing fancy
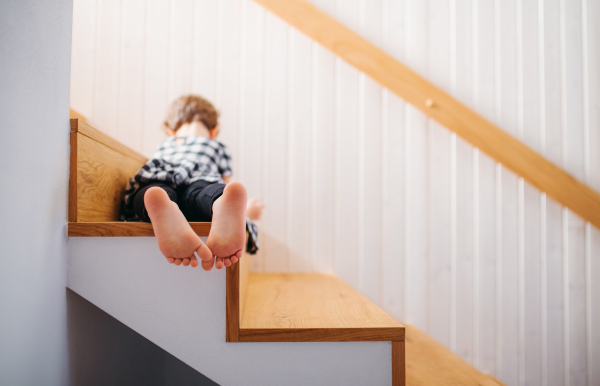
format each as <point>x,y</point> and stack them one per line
<point>440,106</point>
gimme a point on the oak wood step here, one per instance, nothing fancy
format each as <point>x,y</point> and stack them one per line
<point>100,169</point>
<point>430,363</point>
<point>124,229</point>
<point>266,307</point>
<point>294,306</point>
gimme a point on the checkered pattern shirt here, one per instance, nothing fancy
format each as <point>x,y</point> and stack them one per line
<point>178,164</point>
<point>197,158</point>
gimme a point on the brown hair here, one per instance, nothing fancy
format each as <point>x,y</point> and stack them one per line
<point>191,108</point>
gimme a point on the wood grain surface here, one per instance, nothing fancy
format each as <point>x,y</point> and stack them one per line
<point>100,169</point>
<point>102,174</point>
<point>232,303</point>
<point>359,334</point>
<point>244,268</point>
<point>124,229</point>
<point>236,281</point>
<point>73,177</point>
<point>398,363</point>
<point>308,301</point>
<point>440,106</point>
<point>430,363</point>
<point>104,139</point>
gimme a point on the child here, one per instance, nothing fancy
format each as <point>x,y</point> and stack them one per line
<point>189,179</point>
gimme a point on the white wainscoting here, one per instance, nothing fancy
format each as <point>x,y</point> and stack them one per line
<point>359,183</point>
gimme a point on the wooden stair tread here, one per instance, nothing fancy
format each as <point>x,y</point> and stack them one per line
<point>430,363</point>
<point>124,229</point>
<point>308,301</point>
<point>100,169</point>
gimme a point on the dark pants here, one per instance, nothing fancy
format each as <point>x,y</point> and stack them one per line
<point>195,200</point>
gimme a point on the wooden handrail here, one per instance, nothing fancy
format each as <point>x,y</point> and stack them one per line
<point>440,106</point>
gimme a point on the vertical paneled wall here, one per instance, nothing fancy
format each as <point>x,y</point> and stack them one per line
<point>359,183</point>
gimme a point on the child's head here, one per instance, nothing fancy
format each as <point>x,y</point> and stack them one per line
<point>189,109</point>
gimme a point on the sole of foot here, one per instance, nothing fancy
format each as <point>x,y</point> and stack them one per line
<point>176,239</point>
<point>228,229</point>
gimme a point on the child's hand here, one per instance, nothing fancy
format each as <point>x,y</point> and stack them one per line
<point>254,209</point>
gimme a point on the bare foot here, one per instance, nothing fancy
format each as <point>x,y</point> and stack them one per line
<point>176,239</point>
<point>228,230</point>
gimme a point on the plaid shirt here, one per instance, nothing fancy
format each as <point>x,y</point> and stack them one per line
<point>197,158</point>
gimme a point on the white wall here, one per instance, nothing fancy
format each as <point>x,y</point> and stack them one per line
<point>359,183</point>
<point>35,45</point>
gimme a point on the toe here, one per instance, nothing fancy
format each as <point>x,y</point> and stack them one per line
<point>170,260</point>
<point>227,262</point>
<point>204,253</point>
<point>238,254</point>
<point>177,261</point>
<point>208,265</point>
<point>219,263</point>
<point>194,262</point>
<point>186,262</point>
<point>234,259</point>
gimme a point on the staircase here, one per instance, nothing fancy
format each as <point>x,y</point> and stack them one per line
<point>187,313</point>
<point>237,327</point>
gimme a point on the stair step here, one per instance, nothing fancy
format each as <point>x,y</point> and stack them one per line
<point>306,307</point>
<point>309,306</point>
<point>124,229</point>
<point>100,169</point>
<point>430,363</point>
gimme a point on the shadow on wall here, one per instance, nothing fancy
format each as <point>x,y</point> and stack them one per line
<point>103,351</point>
